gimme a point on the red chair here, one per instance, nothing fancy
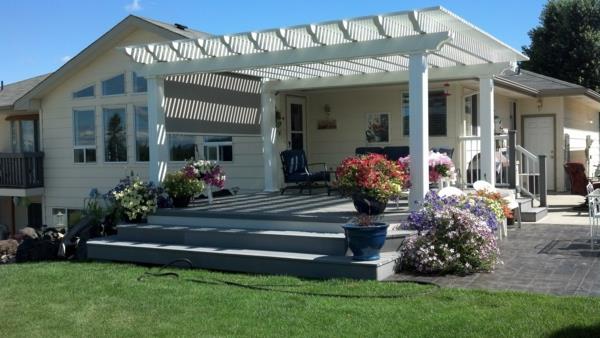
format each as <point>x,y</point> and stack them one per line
<point>579,181</point>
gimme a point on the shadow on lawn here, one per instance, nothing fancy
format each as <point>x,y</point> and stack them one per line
<point>577,331</point>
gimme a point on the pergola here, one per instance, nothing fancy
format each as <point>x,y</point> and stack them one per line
<point>410,46</point>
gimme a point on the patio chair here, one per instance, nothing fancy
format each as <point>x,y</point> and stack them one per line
<point>442,150</point>
<point>297,175</point>
<point>368,150</point>
<point>394,153</point>
<point>579,182</point>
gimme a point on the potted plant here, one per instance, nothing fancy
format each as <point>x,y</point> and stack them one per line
<point>370,180</point>
<point>365,236</point>
<point>440,167</point>
<point>182,187</point>
<point>134,198</point>
<point>209,172</point>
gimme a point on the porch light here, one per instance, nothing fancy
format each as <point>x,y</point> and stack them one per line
<point>447,89</point>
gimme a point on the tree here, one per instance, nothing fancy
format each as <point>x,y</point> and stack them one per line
<point>566,45</point>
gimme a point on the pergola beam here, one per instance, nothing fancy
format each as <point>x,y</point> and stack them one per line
<point>435,74</point>
<point>373,48</point>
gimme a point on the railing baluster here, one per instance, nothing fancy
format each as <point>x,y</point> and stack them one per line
<point>21,170</point>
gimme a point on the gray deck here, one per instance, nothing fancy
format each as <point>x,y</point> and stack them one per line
<point>317,207</point>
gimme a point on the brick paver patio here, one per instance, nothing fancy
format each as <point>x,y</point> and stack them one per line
<point>539,257</point>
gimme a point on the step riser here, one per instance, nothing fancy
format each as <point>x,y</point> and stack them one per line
<point>250,224</point>
<point>250,264</point>
<point>237,240</point>
<point>245,240</point>
<point>534,216</point>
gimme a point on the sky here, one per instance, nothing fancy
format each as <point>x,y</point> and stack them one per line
<point>37,36</point>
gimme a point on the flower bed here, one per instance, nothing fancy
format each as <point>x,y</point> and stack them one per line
<point>455,235</point>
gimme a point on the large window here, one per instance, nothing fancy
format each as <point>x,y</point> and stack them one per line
<point>182,147</point>
<point>84,135</point>
<point>218,148</point>
<point>115,135</point>
<point>437,113</point>
<point>114,86</point>
<point>141,134</point>
<point>24,135</point>
<point>85,92</point>
<point>140,84</point>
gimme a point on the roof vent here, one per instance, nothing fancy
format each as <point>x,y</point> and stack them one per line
<point>180,26</point>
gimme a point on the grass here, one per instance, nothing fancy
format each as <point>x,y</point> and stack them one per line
<point>103,299</point>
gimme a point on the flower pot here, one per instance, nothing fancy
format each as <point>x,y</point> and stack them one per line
<point>365,241</point>
<point>181,202</point>
<point>367,205</point>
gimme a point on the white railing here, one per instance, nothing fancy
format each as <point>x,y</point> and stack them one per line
<point>470,160</point>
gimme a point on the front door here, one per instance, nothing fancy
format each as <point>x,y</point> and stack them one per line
<point>538,138</point>
<point>296,122</point>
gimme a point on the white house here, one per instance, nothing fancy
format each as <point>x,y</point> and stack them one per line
<point>243,98</point>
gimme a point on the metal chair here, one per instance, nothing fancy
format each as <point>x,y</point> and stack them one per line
<point>296,171</point>
<point>594,214</point>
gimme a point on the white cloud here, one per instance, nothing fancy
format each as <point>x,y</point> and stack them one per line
<point>65,58</point>
<point>134,6</point>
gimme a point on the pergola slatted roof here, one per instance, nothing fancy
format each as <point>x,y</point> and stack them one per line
<point>463,45</point>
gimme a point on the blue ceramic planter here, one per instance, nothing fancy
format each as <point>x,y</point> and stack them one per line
<point>365,241</point>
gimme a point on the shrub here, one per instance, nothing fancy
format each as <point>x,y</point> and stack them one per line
<point>134,197</point>
<point>451,238</point>
<point>179,184</point>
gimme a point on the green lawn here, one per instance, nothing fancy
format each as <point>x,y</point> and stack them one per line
<point>95,299</point>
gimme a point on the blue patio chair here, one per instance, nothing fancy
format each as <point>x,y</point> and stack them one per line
<point>394,153</point>
<point>442,150</point>
<point>368,150</point>
<point>297,174</point>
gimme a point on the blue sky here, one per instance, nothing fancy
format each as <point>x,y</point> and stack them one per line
<point>37,37</point>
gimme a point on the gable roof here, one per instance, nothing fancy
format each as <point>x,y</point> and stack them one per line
<point>13,91</point>
<point>541,85</point>
<point>104,43</point>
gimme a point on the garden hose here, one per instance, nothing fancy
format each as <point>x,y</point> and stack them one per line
<point>214,281</point>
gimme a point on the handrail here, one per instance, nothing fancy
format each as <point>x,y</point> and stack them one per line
<point>526,152</point>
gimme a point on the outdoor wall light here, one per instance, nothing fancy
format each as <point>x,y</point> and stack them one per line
<point>59,220</point>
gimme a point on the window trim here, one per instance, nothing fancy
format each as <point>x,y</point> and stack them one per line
<point>217,144</point>
<point>124,93</point>
<point>116,106</point>
<point>95,145</point>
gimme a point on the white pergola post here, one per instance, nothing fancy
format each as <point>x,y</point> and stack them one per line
<point>269,137</point>
<point>418,96</point>
<point>486,110</point>
<point>157,132</point>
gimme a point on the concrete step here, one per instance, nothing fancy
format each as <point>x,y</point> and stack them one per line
<point>534,214</point>
<point>244,260</point>
<point>271,240</point>
<point>526,203</point>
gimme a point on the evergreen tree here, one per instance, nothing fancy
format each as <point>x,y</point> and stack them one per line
<point>566,45</point>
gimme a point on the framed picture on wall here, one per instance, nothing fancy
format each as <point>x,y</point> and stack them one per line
<point>378,128</point>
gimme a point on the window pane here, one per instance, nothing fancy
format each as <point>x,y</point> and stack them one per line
<point>211,153</point>
<point>113,86</point>
<point>14,136</point>
<point>182,147</point>
<point>208,139</point>
<point>226,153</point>
<point>85,92</point>
<point>84,128</point>
<point>27,135</point>
<point>296,117</point>
<point>140,84</point>
<point>78,156</point>
<point>90,155</point>
<point>142,150</point>
<point>437,113</point>
<point>115,135</point>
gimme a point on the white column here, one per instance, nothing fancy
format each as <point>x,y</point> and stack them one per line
<point>486,112</point>
<point>269,138</point>
<point>418,96</point>
<point>157,132</point>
